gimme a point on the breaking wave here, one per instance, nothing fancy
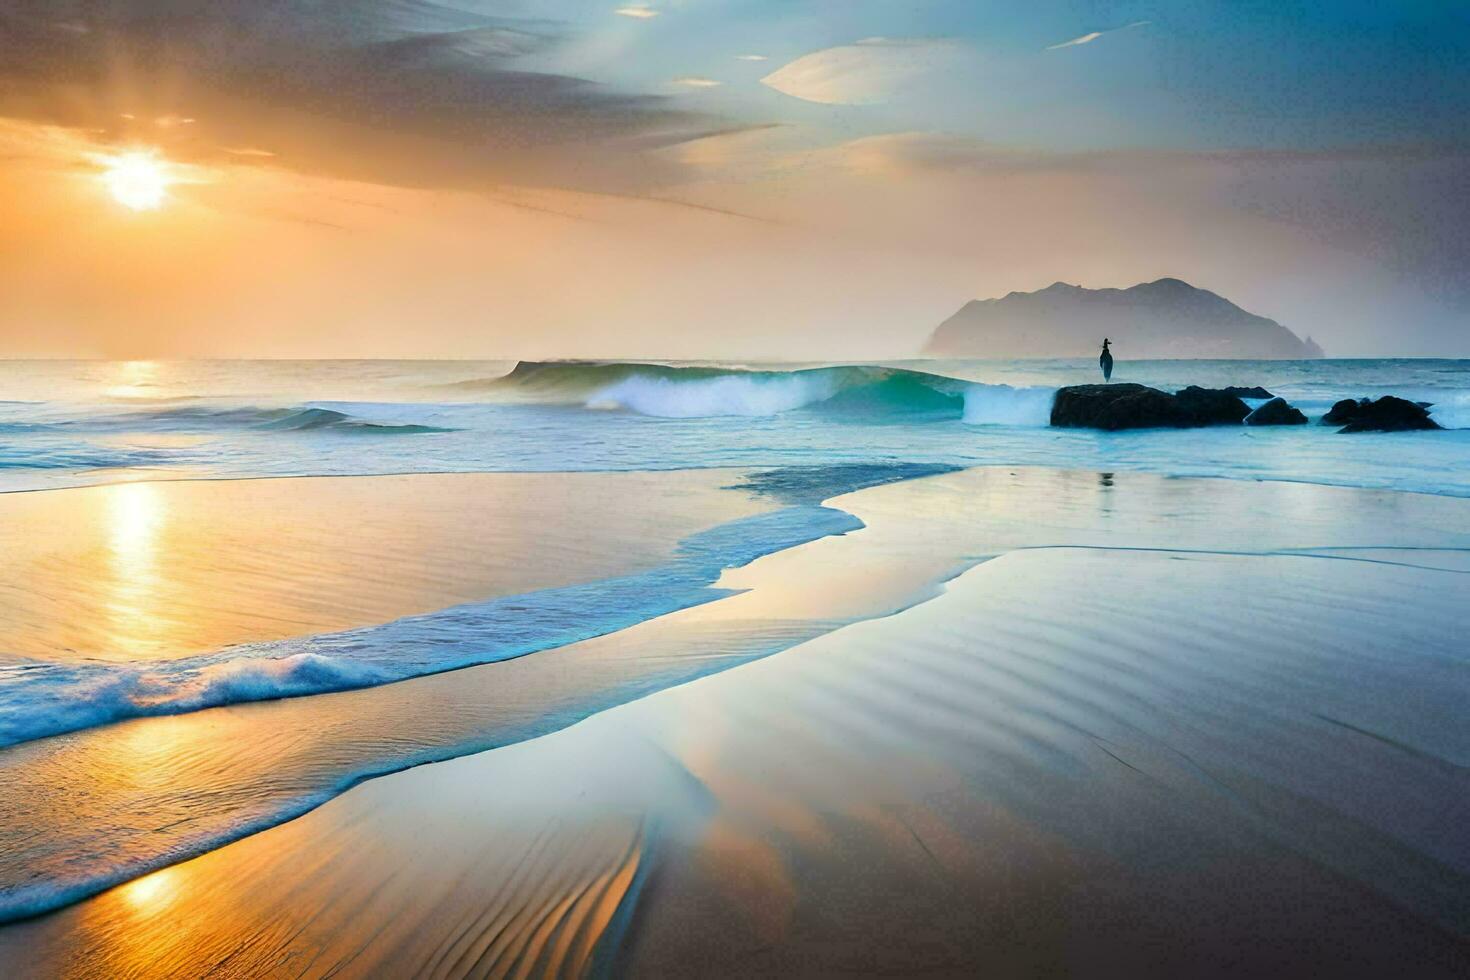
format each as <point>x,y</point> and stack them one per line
<point>1451,410</point>
<point>864,391</point>
<point>1005,405</point>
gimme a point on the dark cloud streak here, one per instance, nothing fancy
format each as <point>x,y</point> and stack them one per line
<point>398,91</point>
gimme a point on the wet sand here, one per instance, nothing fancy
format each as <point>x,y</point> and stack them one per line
<point>147,571</point>
<point>1169,726</point>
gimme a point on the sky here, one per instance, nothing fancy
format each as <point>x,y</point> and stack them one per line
<point>759,179</point>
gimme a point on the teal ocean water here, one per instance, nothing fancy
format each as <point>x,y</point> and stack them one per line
<point>70,423</point>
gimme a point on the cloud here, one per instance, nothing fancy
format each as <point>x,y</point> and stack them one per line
<point>867,72</point>
<point>1084,39</point>
<point>697,81</point>
<point>1089,38</point>
<point>405,92</point>
<point>640,11</point>
<point>751,57</point>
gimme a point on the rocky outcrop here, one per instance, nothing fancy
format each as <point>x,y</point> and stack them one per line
<point>1276,412</point>
<point>1343,412</point>
<point>1254,392</point>
<point>1114,407</point>
<point>1386,414</point>
<point>1134,406</point>
<point>1212,406</point>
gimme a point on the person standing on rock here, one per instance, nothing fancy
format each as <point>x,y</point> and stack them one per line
<point>1106,362</point>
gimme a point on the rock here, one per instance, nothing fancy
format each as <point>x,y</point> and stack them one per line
<point>1386,414</point>
<point>1254,392</point>
<point>1113,407</point>
<point>1276,412</point>
<point>1133,406</point>
<point>1212,406</point>
<point>1343,412</point>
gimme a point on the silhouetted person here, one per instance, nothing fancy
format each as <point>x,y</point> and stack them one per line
<point>1106,362</point>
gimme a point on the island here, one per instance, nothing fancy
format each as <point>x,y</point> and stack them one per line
<point>1166,318</point>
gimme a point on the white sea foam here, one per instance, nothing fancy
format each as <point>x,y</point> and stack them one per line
<point>59,698</point>
<point>1451,410</point>
<point>1005,405</point>
<point>726,395</point>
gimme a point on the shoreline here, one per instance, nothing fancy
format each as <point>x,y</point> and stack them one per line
<point>1017,464</point>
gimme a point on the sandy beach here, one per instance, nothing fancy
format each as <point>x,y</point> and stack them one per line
<point>1023,722</point>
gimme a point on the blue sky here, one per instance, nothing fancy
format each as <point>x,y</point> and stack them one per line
<point>1190,75</point>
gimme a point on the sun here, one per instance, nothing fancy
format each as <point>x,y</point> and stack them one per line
<point>138,179</point>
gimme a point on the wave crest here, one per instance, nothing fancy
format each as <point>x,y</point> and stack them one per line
<point>307,419</point>
<point>680,391</point>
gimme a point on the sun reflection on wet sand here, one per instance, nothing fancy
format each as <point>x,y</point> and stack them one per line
<point>152,893</point>
<point>160,570</point>
<point>135,515</point>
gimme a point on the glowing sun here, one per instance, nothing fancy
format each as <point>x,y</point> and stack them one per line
<point>137,179</point>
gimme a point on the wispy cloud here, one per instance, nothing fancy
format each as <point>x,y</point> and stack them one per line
<point>750,57</point>
<point>640,11</point>
<point>697,81</point>
<point>1089,38</point>
<point>1084,39</point>
<point>865,72</point>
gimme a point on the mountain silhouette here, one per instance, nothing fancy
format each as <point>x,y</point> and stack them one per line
<point>1164,318</point>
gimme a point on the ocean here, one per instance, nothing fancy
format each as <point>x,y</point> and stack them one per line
<point>69,423</point>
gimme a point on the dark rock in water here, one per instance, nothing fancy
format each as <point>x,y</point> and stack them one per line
<point>1135,406</point>
<point>1212,406</point>
<point>1122,406</point>
<point>1113,407</point>
<point>1343,412</point>
<point>1254,392</point>
<point>1386,414</point>
<point>1276,412</point>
